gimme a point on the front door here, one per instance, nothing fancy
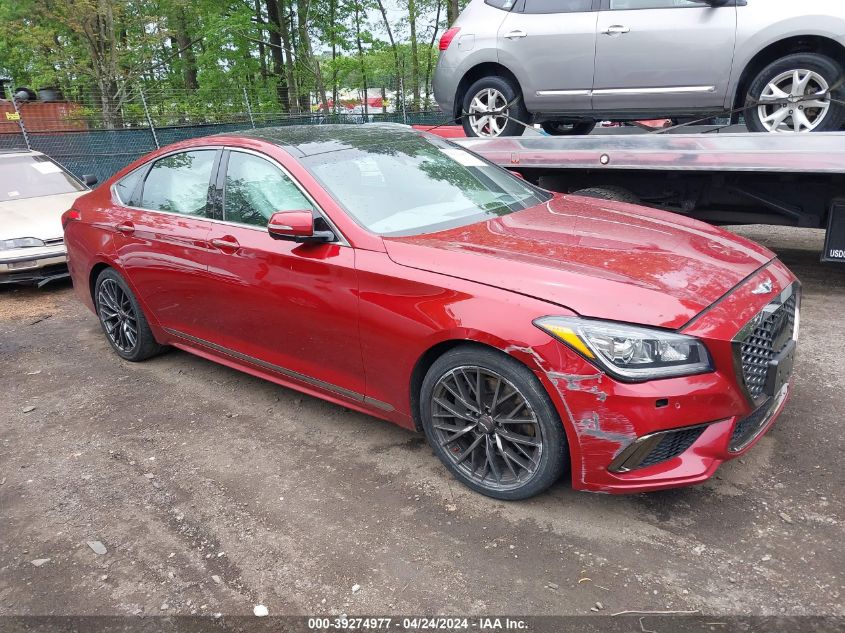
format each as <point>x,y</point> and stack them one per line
<point>550,46</point>
<point>161,226</point>
<point>288,307</point>
<point>662,55</point>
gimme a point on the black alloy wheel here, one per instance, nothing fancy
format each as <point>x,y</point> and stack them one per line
<point>123,321</point>
<point>492,424</point>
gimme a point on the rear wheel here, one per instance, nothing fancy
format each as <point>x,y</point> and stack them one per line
<point>797,93</point>
<point>123,321</point>
<point>568,128</point>
<point>493,107</point>
<point>491,423</point>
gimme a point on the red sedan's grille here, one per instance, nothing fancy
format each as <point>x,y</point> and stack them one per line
<point>767,339</point>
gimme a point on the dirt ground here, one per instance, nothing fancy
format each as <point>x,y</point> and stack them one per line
<point>212,491</point>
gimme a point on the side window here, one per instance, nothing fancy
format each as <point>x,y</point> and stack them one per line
<point>558,6</point>
<point>625,5</point>
<point>505,5</point>
<point>127,187</point>
<point>179,183</point>
<point>256,189</point>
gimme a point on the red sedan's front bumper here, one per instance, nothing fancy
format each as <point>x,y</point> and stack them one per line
<point>606,420</point>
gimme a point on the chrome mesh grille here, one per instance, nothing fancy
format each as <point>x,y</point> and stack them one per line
<point>759,348</point>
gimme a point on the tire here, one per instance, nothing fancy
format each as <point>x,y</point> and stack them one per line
<point>609,192</point>
<point>498,92</point>
<point>568,128</point>
<point>118,309</point>
<point>518,469</point>
<point>824,73</point>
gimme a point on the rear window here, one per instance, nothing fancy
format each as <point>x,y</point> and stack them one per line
<point>29,176</point>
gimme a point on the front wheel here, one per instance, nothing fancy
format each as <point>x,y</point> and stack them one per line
<point>797,93</point>
<point>493,107</point>
<point>491,423</point>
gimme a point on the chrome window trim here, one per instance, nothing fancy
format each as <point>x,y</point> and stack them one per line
<point>148,165</point>
<point>341,238</point>
<point>314,382</point>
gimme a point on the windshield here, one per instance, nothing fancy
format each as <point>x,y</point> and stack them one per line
<point>29,176</point>
<point>418,185</point>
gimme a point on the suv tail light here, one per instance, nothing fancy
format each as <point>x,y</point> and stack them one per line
<point>71,215</point>
<point>448,36</point>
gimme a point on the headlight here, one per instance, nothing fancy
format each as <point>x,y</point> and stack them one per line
<point>21,242</point>
<point>629,352</point>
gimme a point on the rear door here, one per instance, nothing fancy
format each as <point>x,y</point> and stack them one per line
<point>660,55</point>
<point>161,226</point>
<point>550,46</point>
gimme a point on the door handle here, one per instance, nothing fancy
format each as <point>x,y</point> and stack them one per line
<point>617,29</point>
<point>225,243</point>
<point>127,228</point>
<point>515,35</point>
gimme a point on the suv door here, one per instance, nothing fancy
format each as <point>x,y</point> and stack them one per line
<point>550,46</point>
<point>288,307</point>
<point>161,222</point>
<point>657,56</point>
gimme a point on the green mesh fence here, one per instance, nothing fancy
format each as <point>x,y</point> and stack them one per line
<point>102,152</point>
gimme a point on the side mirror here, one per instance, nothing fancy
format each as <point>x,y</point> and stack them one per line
<point>297,226</point>
<point>89,179</point>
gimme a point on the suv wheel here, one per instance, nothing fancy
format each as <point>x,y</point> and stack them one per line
<point>797,93</point>
<point>491,423</point>
<point>493,107</point>
<point>568,128</point>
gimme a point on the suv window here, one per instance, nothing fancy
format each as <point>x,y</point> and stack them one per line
<point>505,5</point>
<point>256,189</point>
<point>558,6</point>
<point>179,183</point>
<point>623,5</point>
<point>126,188</point>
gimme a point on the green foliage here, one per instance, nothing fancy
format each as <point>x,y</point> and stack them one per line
<point>192,56</point>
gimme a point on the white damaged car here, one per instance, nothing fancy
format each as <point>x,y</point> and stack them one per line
<point>34,192</point>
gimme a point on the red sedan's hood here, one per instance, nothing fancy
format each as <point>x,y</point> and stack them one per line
<point>600,259</point>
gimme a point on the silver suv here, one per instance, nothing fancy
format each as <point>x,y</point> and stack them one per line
<point>567,63</point>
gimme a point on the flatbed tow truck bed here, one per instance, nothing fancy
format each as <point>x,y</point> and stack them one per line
<point>733,178</point>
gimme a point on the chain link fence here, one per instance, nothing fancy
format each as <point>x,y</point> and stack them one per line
<point>92,134</point>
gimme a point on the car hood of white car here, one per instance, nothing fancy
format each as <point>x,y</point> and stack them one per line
<point>39,217</point>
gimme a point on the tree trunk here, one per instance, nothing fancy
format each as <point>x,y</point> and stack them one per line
<point>101,39</point>
<point>395,49</point>
<point>276,54</point>
<point>415,58</point>
<point>262,51</point>
<point>284,29</point>
<point>186,51</point>
<point>361,54</point>
<point>429,57</point>
<point>453,10</point>
<point>332,17</point>
<point>307,54</point>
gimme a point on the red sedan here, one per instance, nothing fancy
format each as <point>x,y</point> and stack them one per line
<point>389,271</point>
